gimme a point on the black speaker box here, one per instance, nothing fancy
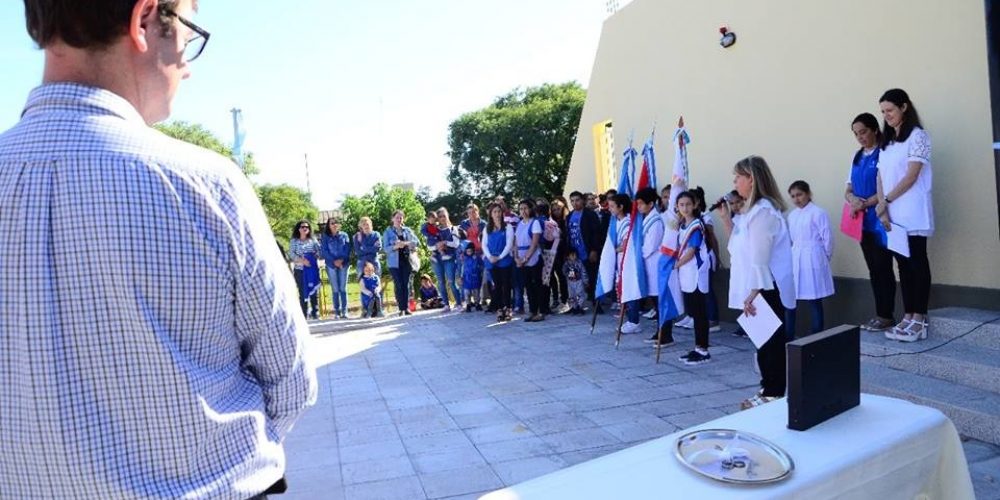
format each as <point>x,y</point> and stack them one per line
<point>824,376</point>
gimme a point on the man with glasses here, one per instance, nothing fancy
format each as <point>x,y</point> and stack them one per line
<point>156,364</point>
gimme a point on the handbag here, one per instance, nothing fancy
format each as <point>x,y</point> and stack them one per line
<point>414,261</point>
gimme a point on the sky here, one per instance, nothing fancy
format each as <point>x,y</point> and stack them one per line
<point>365,89</point>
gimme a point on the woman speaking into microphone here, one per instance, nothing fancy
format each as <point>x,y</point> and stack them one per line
<point>761,253</point>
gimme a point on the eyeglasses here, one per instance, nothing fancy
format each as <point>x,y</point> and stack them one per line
<point>195,45</point>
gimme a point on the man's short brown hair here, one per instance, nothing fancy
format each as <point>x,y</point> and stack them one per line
<point>84,25</point>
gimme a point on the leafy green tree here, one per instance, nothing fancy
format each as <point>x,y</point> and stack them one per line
<point>379,204</point>
<point>200,136</point>
<point>285,205</point>
<point>519,146</point>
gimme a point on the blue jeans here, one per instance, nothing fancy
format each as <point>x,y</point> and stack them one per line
<point>338,285</point>
<point>518,287</point>
<point>445,271</point>
<point>815,314</point>
<point>401,285</point>
<point>632,311</point>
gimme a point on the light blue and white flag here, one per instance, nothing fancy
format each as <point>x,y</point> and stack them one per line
<point>608,270</point>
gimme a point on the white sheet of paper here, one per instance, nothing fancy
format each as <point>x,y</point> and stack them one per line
<point>897,240</point>
<point>761,326</point>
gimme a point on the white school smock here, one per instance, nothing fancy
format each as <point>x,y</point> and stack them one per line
<point>693,274</point>
<point>761,255</point>
<point>812,248</point>
<point>913,209</point>
<point>652,235</point>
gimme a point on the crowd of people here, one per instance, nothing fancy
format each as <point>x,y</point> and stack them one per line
<point>542,256</point>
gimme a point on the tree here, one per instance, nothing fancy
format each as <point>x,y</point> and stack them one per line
<point>519,146</point>
<point>286,205</point>
<point>199,136</point>
<point>379,205</point>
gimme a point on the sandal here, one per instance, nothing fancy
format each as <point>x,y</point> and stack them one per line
<point>877,324</point>
<point>899,330</point>
<point>757,400</point>
<point>916,330</point>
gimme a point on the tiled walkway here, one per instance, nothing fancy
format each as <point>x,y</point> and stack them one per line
<point>453,406</point>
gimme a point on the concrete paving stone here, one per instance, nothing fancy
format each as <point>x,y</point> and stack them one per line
<point>563,382</point>
<point>564,442</point>
<point>619,415</point>
<point>401,488</point>
<point>314,477</point>
<point>460,482</point>
<point>376,470</point>
<point>698,387</point>
<point>680,376</point>
<point>409,390</point>
<point>728,398</point>
<point>627,385</point>
<point>432,443</point>
<point>690,419</point>
<point>978,451</point>
<point>308,458</point>
<point>415,401</point>
<point>634,432</point>
<point>354,385</point>
<point>363,419</point>
<point>540,409</point>
<point>672,406</point>
<point>484,419</point>
<point>469,496</point>
<point>353,399</point>
<point>426,427</point>
<point>473,406</point>
<point>441,461</point>
<point>459,394</point>
<point>527,399</point>
<point>372,451</point>
<point>498,432</point>
<point>514,449</point>
<point>419,413</point>
<point>362,408</point>
<point>986,478</point>
<point>514,389</point>
<point>577,457</point>
<point>363,435</point>
<point>559,422</point>
<point>518,471</point>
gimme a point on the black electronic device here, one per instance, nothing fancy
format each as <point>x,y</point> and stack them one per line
<point>824,376</point>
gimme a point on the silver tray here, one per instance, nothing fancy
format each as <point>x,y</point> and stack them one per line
<point>733,456</point>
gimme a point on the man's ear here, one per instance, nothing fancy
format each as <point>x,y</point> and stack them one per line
<point>143,23</point>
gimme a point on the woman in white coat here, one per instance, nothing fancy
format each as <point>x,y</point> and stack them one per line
<point>761,258</point>
<point>812,249</point>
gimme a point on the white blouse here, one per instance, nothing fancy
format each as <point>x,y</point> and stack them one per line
<point>761,252</point>
<point>913,209</point>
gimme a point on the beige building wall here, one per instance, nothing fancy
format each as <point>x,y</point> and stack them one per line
<point>788,90</point>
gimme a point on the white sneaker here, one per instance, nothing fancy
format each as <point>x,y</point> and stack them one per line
<point>650,314</point>
<point>631,327</point>
<point>714,328</point>
<point>687,322</point>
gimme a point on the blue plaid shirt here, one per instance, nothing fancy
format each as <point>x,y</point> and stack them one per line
<point>151,341</point>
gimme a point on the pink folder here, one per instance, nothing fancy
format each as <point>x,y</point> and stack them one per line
<point>851,222</point>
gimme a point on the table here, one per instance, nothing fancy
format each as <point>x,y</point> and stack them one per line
<point>883,449</point>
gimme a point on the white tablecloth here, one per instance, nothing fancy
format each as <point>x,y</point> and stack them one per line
<point>884,449</point>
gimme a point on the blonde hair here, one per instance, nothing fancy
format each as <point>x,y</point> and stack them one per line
<point>368,265</point>
<point>762,182</point>
<point>364,220</point>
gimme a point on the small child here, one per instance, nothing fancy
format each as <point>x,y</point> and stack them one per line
<point>430,231</point>
<point>472,277</point>
<point>576,279</point>
<point>692,268</point>
<point>429,296</point>
<point>371,293</point>
<point>812,249</point>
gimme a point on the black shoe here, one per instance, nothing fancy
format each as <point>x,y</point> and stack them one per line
<point>468,308</point>
<point>686,356</point>
<point>653,339</point>
<point>479,307</point>
<point>407,312</point>
<point>665,343</point>
<point>697,358</point>
<point>739,333</point>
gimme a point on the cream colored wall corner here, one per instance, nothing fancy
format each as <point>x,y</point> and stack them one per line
<point>788,90</point>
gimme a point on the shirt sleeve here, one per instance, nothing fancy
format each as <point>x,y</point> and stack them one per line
<point>269,323</point>
<point>919,147</point>
<point>486,247</point>
<point>509,246</point>
<point>822,225</point>
<point>762,231</point>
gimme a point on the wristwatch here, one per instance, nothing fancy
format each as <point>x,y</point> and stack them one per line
<point>887,200</point>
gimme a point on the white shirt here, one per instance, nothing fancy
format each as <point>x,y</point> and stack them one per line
<point>526,229</point>
<point>913,209</point>
<point>761,252</point>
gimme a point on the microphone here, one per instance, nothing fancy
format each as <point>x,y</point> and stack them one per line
<point>719,203</point>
